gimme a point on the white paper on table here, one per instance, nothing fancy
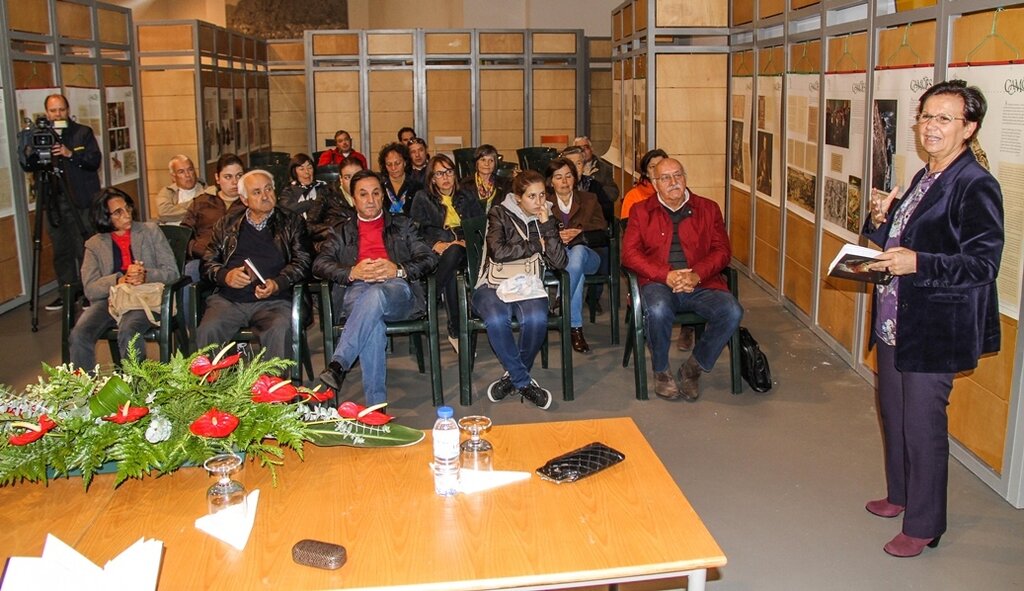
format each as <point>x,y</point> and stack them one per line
<point>62,567</point>
<point>234,524</point>
<point>471,481</point>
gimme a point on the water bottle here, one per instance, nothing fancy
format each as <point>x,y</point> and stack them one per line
<point>446,452</point>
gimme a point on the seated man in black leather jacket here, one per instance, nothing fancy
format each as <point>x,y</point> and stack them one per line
<point>275,241</point>
<point>379,258</point>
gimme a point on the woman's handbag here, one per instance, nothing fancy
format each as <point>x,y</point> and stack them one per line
<point>145,296</point>
<point>494,273</point>
<point>754,363</point>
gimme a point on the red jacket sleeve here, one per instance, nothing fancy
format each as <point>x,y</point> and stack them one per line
<point>640,249</point>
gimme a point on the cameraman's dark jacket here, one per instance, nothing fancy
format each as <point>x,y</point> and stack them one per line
<point>402,242</point>
<point>289,231</point>
<point>80,169</point>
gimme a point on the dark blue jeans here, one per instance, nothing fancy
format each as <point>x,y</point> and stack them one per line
<point>497,316</point>
<point>719,308</point>
<point>367,306</point>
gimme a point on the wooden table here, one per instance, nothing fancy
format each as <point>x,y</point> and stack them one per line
<point>628,523</point>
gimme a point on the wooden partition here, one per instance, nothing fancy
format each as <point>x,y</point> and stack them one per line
<point>600,117</point>
<point>205,93</point>
<point>84,50</point>
<point>456,88</point>
<point>289,123</point>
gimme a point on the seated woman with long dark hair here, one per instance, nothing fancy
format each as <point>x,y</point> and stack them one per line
<point>399,185</point>
<point>122,251</point>
<point>518,227</point>
<point>438,211</point>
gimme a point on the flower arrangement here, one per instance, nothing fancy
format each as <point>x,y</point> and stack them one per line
<point>150,417</point>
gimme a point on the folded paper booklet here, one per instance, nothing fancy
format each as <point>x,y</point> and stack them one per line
<point>852,262</point>
<point>62,567</point>
<point>254,271</point>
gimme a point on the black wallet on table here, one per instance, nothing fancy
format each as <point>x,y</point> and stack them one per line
<point>580,463</point>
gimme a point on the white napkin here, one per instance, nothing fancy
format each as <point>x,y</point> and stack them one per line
<point>62,567</point>
<point>234,524</point>
<point>471,481</point>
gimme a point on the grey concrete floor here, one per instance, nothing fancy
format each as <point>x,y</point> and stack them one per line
<point>779,479</point>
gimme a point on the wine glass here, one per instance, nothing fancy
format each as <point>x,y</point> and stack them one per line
<point>476,452</point>
<point>225,492</point>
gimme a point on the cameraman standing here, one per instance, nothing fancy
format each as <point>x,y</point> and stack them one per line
<point>76,155</point>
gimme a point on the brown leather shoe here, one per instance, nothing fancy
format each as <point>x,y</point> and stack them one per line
<point>686,338</point>
<point>688,377</point>
<point>665,387</point>
<point>579,342</point>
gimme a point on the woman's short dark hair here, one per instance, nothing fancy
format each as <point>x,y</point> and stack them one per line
<point>646,161</point>
<point>554,166</point>
<point>975,104</point>
<point>524,179</point>
<point>484,150</point>
<point>100,213</point>
<point>398,148</point>
<point>363,174</point>
<point>297,161</point>
<point>227,160</point>
<point>429,180</point>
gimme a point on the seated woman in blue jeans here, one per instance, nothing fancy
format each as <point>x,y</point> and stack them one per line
<point>582,228</point>
<point>517,228</point>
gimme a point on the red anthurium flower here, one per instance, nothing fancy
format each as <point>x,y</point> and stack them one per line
<point>127,414</point>
<point>272,389</point>
<point>367,416</point>
<point>214,423</point>
<point>34,433</point>
<point>202,366</point>
<point>317,395</point>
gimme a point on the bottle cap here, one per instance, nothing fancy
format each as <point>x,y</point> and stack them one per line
<point>445,412</point>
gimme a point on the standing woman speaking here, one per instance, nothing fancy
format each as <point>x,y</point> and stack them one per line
<point>943,241</point>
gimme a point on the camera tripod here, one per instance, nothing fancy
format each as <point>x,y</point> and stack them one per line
<point>50,186</point>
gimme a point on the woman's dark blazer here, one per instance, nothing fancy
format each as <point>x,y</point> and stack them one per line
<point>502,187</point>
<point>428,214</point>
<point>948,312</point>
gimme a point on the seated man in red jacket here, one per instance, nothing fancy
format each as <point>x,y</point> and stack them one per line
<point>676,244</point>
<point>342,150</point>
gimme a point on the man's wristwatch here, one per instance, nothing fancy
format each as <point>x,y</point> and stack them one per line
<point>400,273</point>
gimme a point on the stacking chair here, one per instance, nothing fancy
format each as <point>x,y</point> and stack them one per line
<point>636,336</point>
<point>330,175</point>
<point>332,326</point>
<point>507,170</point>
<point>172,330</point>
<point>535,158</point>
<point>464,162</point>
<point>279,171</point>
<point>298,349</point>
<point>612,280</point>
<point>470,324</point>
<point>262,158</point>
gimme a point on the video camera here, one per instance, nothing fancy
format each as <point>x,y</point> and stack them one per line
<point>35,144</point>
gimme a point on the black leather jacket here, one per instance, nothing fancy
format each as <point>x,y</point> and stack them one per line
<point>328,209</point>
<point>428,214</point>
<point>289,231</point>
<point>340,252</point>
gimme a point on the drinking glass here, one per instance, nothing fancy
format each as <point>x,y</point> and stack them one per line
<point>225,492</point>
<point>476,453</point>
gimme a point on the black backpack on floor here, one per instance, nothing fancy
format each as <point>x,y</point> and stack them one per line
<point>753,363</point>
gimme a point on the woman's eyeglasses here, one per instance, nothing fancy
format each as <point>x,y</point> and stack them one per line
<point>941,119</point>
<point>445,172</point>
<point>125,211</point>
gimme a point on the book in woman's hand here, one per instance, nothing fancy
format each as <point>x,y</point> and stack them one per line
<point>852,263</point>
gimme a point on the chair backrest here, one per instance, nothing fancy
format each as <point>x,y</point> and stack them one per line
<point>280,173</point>
<point>464,161</point>
<point>316,156</point>
<point>178,237</point>
<point>507,170</point>
<point>330,175</point>
<point>474,229</point>
<point>535,158</point>
<point>257,159</point>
